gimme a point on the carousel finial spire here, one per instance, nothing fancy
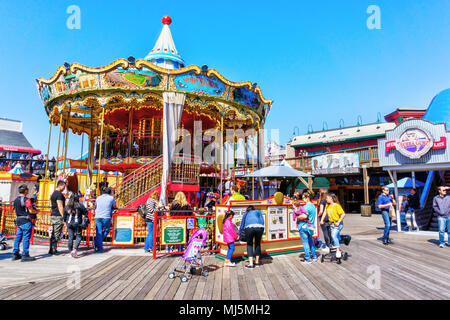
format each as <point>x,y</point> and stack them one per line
<point>165,54</point>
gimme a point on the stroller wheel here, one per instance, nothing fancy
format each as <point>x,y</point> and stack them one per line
<point>3,246</point>
<point>171,275</point>
<point>183,278</point>
<point>205,273</point>
<point>322,258</point>
<point>345,256</point>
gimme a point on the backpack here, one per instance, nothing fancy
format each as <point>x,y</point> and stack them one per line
<point>142,209</point>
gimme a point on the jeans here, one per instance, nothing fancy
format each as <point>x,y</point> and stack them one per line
<point>230,250</point>
<point>326,231</point>
<point>308,244</point>
<point>102,226</point>
<point>57,224</point>
<point>74,231</point>
<point>444,223</point>
<point>336,234</point>
<point>23,233</point>
<point>256,234</point>
<point>149,239</point>
<point>387,224</point>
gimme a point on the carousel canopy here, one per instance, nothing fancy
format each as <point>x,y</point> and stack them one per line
<point>278,172</point>
<point>164,53</point>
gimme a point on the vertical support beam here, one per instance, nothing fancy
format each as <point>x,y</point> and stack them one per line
<point>59,142</point>
<point>221,157</point>
<point>397,210</point>
<point>413,177</point>
<point>67,140</point>
<point>48,150</point>
<point>100,149</point>
<point>366,185</point>
<point>130,130</point>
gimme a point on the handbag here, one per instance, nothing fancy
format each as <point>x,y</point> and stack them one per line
<point>243,234</point>
<point>85,222</point>
<point>392,212</point>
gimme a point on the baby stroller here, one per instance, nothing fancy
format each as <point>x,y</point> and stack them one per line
<point>331,254</point>
<point>3,245</point>
<point>192,257</point>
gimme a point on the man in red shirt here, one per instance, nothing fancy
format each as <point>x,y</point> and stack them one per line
<point>24,214</point>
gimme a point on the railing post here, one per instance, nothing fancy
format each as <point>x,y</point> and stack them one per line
<point>3,217</point>
<point>155,232</point>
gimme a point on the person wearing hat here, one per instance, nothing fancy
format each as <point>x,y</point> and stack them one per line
<point>228,185</point>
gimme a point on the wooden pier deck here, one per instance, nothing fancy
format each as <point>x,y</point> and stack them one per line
<point>409,269</point>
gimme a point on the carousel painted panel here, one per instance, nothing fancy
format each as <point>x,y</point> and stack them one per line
<point>199,84</point>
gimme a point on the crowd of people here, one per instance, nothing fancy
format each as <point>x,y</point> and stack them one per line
<point>28,163</point>
<point>72,213</point>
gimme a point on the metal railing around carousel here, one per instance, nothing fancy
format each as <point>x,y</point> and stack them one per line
<point>189,220</point>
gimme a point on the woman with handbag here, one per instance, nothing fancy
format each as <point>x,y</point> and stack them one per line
<point>251,231</point>
<point>306,223</point>
<point>76,218</point>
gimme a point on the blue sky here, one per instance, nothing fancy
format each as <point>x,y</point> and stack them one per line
<point>317,60</point>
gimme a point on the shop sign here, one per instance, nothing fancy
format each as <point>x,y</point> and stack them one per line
<point>190,223</point>
<point>335,163</point>
<point>123,232</point>
<point>173,231</point>
<point>415,143</point>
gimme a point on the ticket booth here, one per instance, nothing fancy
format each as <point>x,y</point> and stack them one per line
<point>280,232</point>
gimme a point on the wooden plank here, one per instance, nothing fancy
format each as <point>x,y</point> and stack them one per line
<point>217,291</point>
<point>226,288</point>
<point>243,288</point>
<point>113,282</point>
<point>192,285</point>
<point>133,280</point>
<point>271,292</point>
<point>263,294</point>
<point>284,292</point>
<point>234,284</point>
<point>304,290</point>
<point>161,286</point>
<point>148,285</point>
<point>209,286</point>
<point>170,294</point>
<point>251,284</point>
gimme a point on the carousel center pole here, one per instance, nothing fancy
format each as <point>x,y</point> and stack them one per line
<point>100,149</point>
<point>221,157</point>
<point>67,138</point>
<point>253,168</point>
<point>48,150</point>
<point>57,152</point>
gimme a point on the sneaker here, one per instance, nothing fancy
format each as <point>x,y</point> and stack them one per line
<point>306,261</point>
<point>250,266</point>
<point>441,245</point>
<point>315,259</point>
<point>390,241</point>
<point>26,257</point>
<point>229,264</point>
<point>74,254</point>
<point>16,256</point>
<point>338,254</point>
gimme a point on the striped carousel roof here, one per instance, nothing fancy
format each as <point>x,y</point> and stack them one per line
<point>165,47</point>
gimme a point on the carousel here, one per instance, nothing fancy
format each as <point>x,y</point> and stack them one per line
<point>136,113</point>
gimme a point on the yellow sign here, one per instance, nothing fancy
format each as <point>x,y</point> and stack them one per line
<point>173,231</point>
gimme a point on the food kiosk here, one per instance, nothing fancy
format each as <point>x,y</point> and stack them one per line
<point>281,234</point>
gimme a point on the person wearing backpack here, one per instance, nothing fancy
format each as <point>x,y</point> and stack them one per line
<point>24,215</point>
<point>74,213</point>
<point>150,210</point>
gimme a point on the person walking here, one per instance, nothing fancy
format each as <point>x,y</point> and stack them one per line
<point>335,215</point>
<point>74,212</point>
<point>326,226</point>
<point>180,207</point>
<point>104,206</point>
<point>384,203</point>
<point>229,236</point>
<point>306,225</point>
<point>150,205</point>
<point>253,224</point>
<point>441,209</point>
<point>24,211</point>
<point>57,201</point>
<point>414,203</point>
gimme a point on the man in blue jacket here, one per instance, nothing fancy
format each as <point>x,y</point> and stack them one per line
<point>441,208</point>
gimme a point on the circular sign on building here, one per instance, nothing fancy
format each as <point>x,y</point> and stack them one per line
<point>414,143</point>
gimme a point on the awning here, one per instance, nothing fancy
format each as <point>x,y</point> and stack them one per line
<point>19,149</point>
<point>278,172</point>
<point>318,183</point>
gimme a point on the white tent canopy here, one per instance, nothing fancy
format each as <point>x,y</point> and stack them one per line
<point>278,171</point>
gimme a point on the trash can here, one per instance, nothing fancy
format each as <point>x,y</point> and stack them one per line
<point>366,210</point>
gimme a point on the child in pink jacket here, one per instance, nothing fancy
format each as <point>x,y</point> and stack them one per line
<point>229,236</point>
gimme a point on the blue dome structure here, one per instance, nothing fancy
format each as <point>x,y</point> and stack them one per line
<point>439,109</point>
